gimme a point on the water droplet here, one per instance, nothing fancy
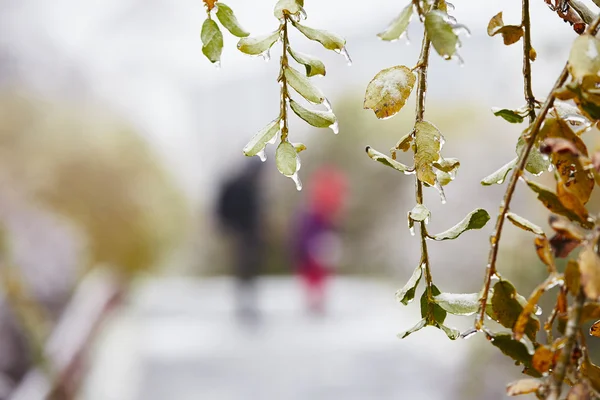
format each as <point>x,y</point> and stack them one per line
<point>495,277</point>
<point>426,221</point>
<point>450,6</point>
<point>303,13</point>
<point>281,123</point>
<point>493,239</point>
<point>550,167</point>
<point>412,230</point>
<point>538,310</point>
<point>297,181</point>
<point>217,64</point>
<point>335,128</point>
<point>327,104</point>
<point>261,154</point>
<point>468,334</point>
<point>266,55</point>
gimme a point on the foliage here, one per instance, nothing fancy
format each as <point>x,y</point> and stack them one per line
<point>551,143</point>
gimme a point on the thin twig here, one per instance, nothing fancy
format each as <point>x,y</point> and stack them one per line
<point>584,12</point>
<point>527,49</point>
<point>283,80</point>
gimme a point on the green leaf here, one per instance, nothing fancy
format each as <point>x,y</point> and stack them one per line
<point>428,143</point>
<point>299,147</point>
<point>415,328</point>
<point>329,40</point>
<point>318,119</point>
<point>475,220</point>
<point>552,202</point>
<point>257,45</point>
<point>398,26</point>
<point>229,21</point>
<point>287,159</point>
<point>447,168</point>
<point>292,7</point>
<point>430,310</point>
<point>513,348</point>
<point>259,141</point>
<point>441,33</point>
<point>212,40</point>
<point>419,213</point>
<point>407,293</point>
<point>385,160</point>
<point>524,224</point>
<point>512,116</point>
<point>388,91</point>
<point>313,65</point>
<point>499,176</point>
<point>507,308</point>
<point>458,303</point>
<point>536,162</point>
<point>303,86</point>
<point>452,333</point>
<point>584,58</point>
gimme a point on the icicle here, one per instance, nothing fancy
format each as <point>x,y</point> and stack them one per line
<point>217,64</point>
<point>335,128</point>
<point>302,13</point>
<point>468,334</point>
<point>266,55</point>
<point>327,104</point>
<point>440,191</point>
<point>261,154</point>
<point>297,181</point>
<point>344,52</point>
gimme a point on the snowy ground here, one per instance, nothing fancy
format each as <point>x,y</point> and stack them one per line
<point>179,339</point>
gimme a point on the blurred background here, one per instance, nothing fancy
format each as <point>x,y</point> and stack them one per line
<point>146,258</point>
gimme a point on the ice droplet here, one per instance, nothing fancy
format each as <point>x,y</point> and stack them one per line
<point>327,104</point>
<point>297,181</point>
<point>266,55</point>
<point>344,52</point>
<point>302,13</point>
<point>459,28</point>
<point>412,230</point>
<point>335,127</point>
<point>426,221</point>
<point>441,192</point>
<point>468,334</point>
<point>450,6</point>
<point>538,310</point>
<point>261,154</point>
<point>217,64</point>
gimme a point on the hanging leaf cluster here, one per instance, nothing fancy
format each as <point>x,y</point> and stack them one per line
<point>212,38</point>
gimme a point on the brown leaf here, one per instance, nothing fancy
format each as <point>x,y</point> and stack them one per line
<point>596,161</point>
<point>589,266</point>
<point>523,386</point>
<point>210,4</point>
<point>543,359</point>
<point>595,329</point>
<point>590,312</point>
<point>551,201</point>
<point>510,33</point>
<point>542,248</point>
<point>572,277</point>
<point>563,245</point>
<point>592,372</point>
<point>565,228</point>
<point>558,145</point>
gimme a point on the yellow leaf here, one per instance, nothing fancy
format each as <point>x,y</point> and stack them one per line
<point>595,329</point>
<point>542,359</point>
<point>428,143</point>
<point>510,33</point>
<point>388,91</point>
<point>589,266</point>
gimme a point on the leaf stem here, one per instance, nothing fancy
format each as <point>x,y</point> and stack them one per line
<point>529,97</point>
<point>282,79</point>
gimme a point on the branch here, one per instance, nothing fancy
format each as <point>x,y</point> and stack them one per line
<point>283,80</point>
<point>529,97</point>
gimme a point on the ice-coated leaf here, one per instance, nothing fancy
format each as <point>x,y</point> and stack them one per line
<point>318,119</point>
<point>458,303</point>
<point>258,44</point>
<point>313,65</point>
<point>590,312</point>
<point>406,140</point>
<point>499,176</point>
<point>299,147</point>
<point>388,91</point>
<point>287,159</point>
<point>475,220</point>
<point>303,86</point>
<point>523,386</point>
<point>407,293</point>
<point>329,40</point>
<point>385,160</point>
<point>552,202</point>
<point>428,143</point>
<point>512,348</point>
<point>584,58</point>
<point>447,164</point>
<point>399,25</point>
<point>595,329</point>
<point>291,7</point>
<point>510,33</point>
<point>420,213</point>
<point>212,40</point>
<point>229,21</point>
<point>430,310</point>
<point>589,267</point>
<point>524,224</point>
<point>415,328</point>
<point>441,33</point>
<point>536,162</point>
<point>542,359</point>
<point>508,308</point>
<point>261,138</point>
<point>572,277</point>
<point>512,116</point>
<point>452,333</point>
<point>542,248</point>
<point>591,372</point>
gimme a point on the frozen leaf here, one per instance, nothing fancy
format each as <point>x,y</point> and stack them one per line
<point>563,245</point>
<point>447,164</point>
<point>318,119</point>
<point>385,160</point>
<point>584,58</point>
<point>536,162</point>
<point>499,176</point>
<point>313,65</point>
<point>524,224</point>
<point>589,267</point>
<point>572,277</point>
<point>475,220</point>
<point>512,348</point>
<point>514,117</point>
<point>595,329</point>
<point>260,140</point>
<point>458,303</point>
<point>388,91</point>
<point>558,145</point>
<point>523,386</point>
<point>303,86</point>
<point>566,228</point>
<point>287,159</point>
<point>212,40</point>
<point>508,309</point>
<point>552,203</point>
<point>415,328</point>
<point>229,21</point>
<point>398,26</point>
<point>300,147</point>
<point>257,45</point>
<point>592,372</point>
<point>329,40</point>
<point>452,333</point>
<point>407,293</point>
<point>510,33</point>
<point>292,7</point>
<point>542,248</point>
<point>428,143</point>
<point>542,359</point>
<point>406,141</point>
<point>441,32</point>
<point>430,310</point>
<point>420,213</point>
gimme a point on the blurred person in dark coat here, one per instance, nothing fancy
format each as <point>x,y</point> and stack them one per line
<point>239,211</point>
